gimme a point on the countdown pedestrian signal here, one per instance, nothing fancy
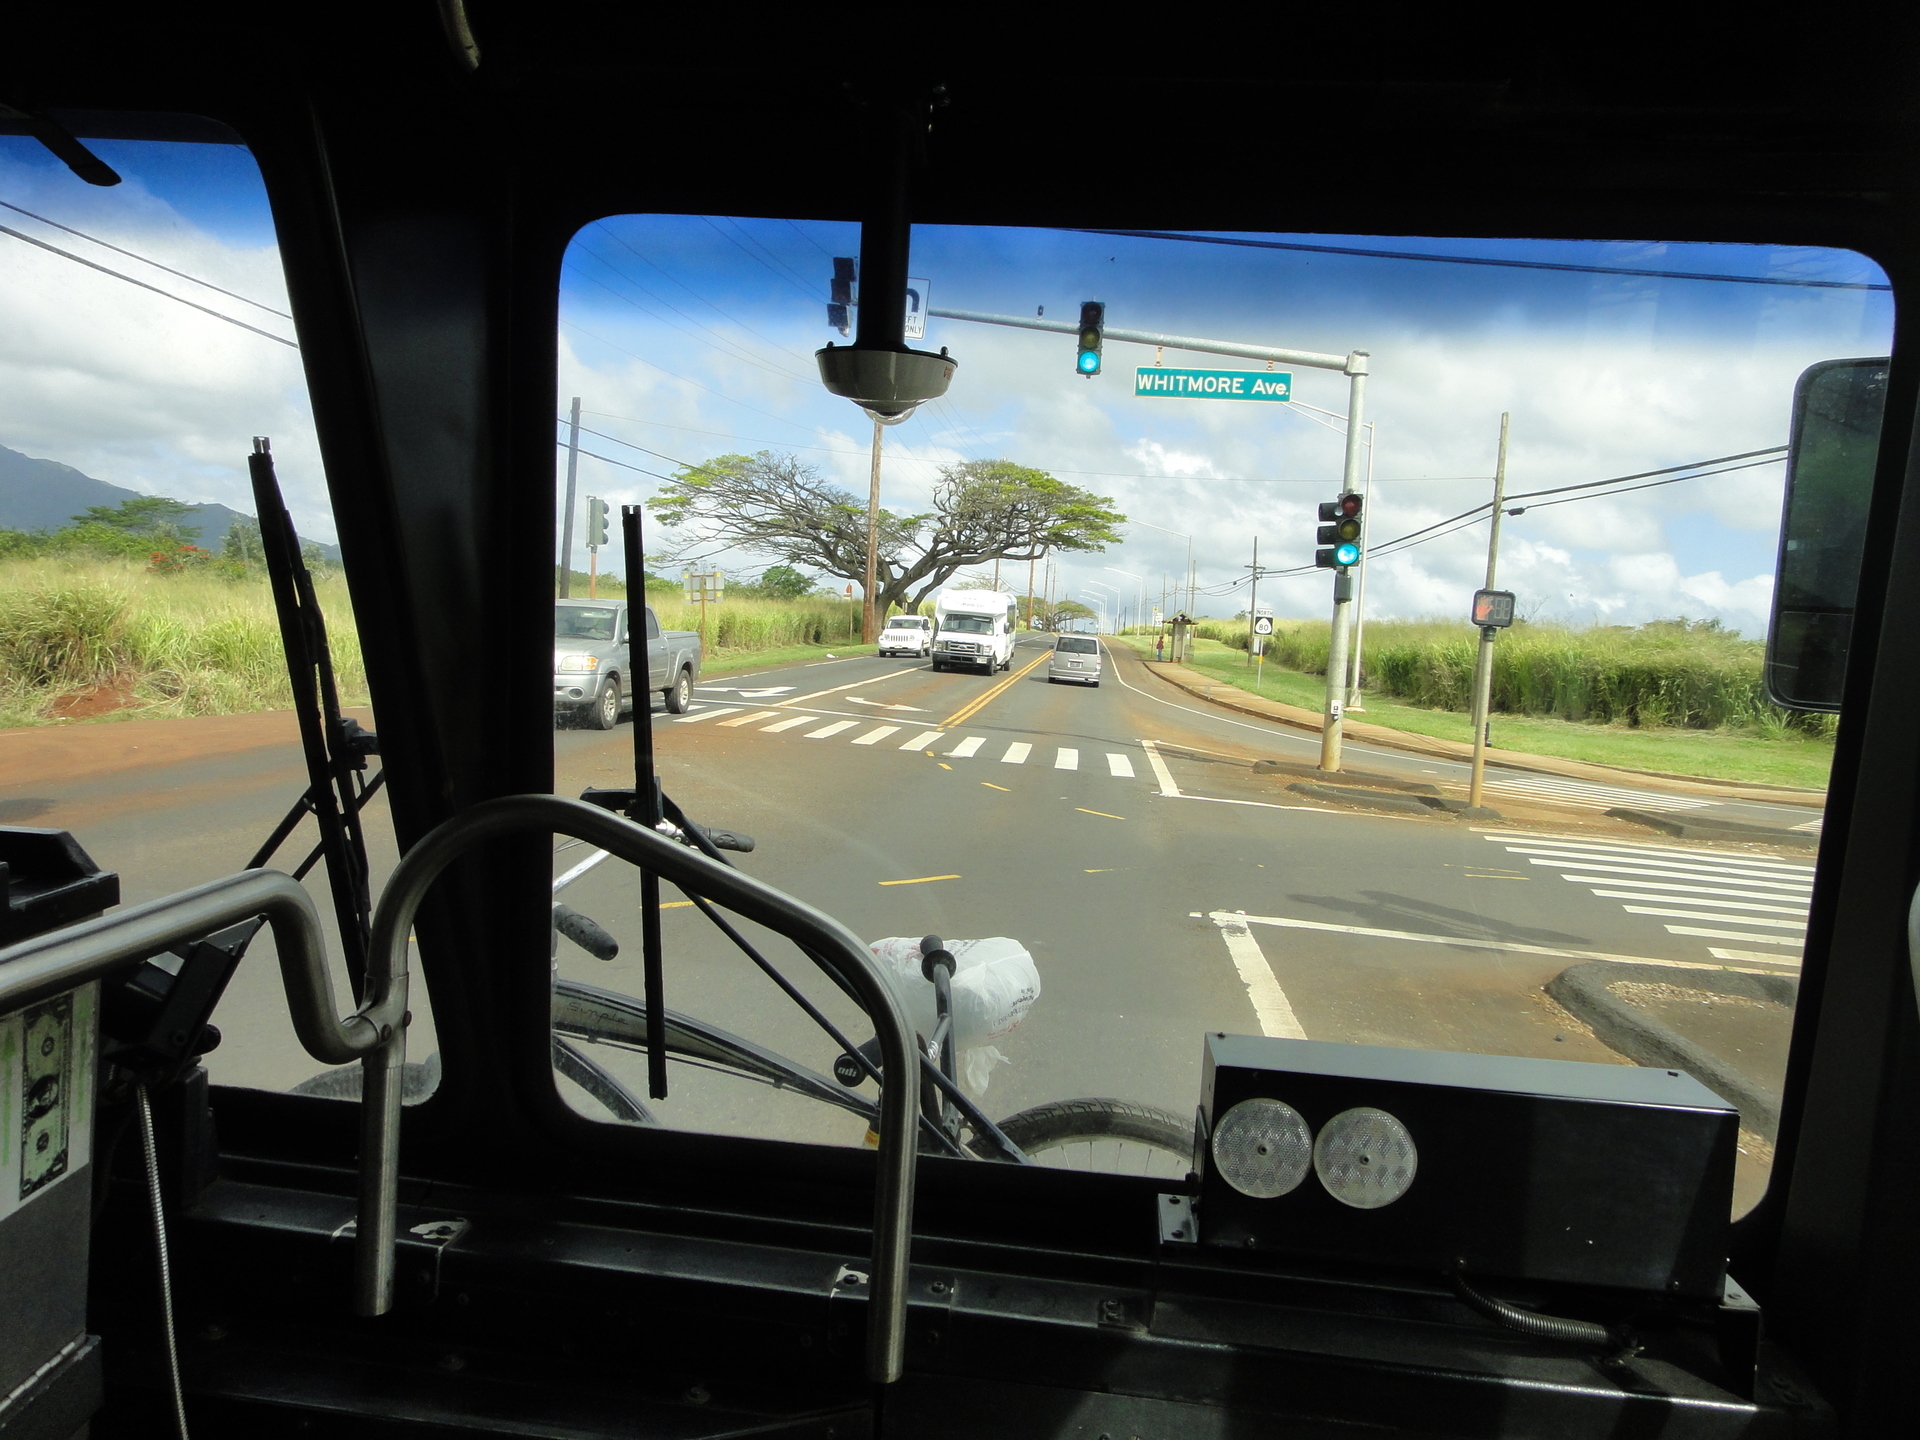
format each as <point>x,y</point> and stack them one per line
<point>1340,529</point>
<point>1093,324</point>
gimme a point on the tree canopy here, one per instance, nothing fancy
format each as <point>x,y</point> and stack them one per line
<point>983,510</point>
<point>142,515</point>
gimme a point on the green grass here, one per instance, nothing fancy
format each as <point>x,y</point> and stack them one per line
<point>1793,757</point>
<point>729,661</point>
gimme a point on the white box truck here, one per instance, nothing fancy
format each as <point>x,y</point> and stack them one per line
<point>974,629</point>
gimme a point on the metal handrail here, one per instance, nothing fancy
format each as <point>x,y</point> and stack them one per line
<point>375,1034</point>
<point>695,874</point>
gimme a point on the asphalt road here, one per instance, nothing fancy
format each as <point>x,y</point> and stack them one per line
<point>1118,832</point>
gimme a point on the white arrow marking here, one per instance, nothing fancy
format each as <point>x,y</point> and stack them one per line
<point>856,700</point>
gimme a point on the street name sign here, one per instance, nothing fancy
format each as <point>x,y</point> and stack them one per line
<point>1169,382</point>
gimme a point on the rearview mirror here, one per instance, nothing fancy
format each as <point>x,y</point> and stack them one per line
<point>1831,451</point>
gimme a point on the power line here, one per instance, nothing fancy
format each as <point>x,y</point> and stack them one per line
<point>609,460</point>
<point>1481,260</point>
<point>144,260</point>
<point>104,270</point>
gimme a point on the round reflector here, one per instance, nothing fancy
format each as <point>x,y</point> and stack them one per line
<point>1365,1158</point>
<point>1262,1148</point>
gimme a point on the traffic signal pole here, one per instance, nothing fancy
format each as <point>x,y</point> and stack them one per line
<point>1332,720</point>
<point>1483,670</point>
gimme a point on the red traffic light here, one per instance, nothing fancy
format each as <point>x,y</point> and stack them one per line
<point>1349,504</point>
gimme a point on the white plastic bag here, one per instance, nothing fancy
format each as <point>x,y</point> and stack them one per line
<point>995,983</point>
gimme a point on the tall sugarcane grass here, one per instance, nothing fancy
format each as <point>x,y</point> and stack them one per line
<point>183,644</point>
<point>755,624</point>
<point>1677,674</point>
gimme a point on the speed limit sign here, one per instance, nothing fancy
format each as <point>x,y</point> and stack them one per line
<point>1263,625</point>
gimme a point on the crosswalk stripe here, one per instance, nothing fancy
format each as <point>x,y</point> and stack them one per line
<point>1017,753</point>
<point>923,739</point>
<point>779,725</point>
<point>1784,886</point>
<point>747,719</point>
<point>967,747</point>
<point>1598,797</point>
<point>706,715</point>
<point>1691,889</point>
<point>1634,847</point>
<point>833,729</point>
<point>1800,910</point>
<point>1715,866</point>
<point>876,735</point>
<point>1119,765</point>
<point>1066,760</point>
<point>1733,935</point>
<point>1800,925</point>
<point>1752,955</point>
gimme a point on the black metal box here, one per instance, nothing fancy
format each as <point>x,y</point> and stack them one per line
<point>1548,1170</point>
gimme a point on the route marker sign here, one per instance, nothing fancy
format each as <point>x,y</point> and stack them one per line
<point>1263,625</point>
<point>1170,382</point>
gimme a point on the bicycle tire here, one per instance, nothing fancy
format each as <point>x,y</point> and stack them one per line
<point>1045,1133</point>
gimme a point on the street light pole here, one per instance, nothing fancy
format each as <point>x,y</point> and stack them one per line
<point>1360,589</point>
<point>867,632</point>
<point>566,512</point>
<point>1191,601</point>
<point>1483,671</point>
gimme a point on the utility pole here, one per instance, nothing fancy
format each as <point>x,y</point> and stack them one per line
<point>566,520</point>
<point>1331,723</point>
<point>868,634</point>
<point>1030,563</point>
<point>1253,599</point>
<point>1483,671</point>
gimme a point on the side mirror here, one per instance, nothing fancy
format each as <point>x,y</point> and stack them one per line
<point>1837,408</point>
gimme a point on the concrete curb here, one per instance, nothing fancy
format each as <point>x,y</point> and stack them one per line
<point>1687,828</point>
<point>1582,989</point>
<point>1183,679</point>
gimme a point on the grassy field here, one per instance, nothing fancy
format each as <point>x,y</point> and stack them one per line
<point>1789,757</point>
<point>103,639</point>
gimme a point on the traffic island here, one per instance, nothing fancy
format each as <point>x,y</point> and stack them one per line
<point>1392,800</point>
<point>1686,827</point>
<point>1728,1029</point>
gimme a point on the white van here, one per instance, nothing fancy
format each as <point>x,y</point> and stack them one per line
<point>974,628</point>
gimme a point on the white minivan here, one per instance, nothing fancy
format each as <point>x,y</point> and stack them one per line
<point>1075,657</point>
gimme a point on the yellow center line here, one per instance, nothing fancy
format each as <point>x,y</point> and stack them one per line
<point>674,904</point>
<point>1107,871</point>
<point>921,881</point>
<point>991,786</point>
<point>1101,813</point>
<point>980,702</point>
<point>943,764</point>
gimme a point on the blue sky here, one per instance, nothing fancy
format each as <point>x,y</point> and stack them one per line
<point>1604,374</point>
<point>693,336</point>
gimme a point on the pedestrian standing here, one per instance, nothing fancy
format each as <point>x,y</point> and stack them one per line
<point>1159,647</point>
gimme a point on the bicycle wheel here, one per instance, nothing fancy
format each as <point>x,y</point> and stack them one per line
<point>1113,1137</point>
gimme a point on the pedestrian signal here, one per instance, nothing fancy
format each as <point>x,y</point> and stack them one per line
<point>1340,528</point>
<point>1493,609</point>
<point>596,522</point>
<point>1093,324</point>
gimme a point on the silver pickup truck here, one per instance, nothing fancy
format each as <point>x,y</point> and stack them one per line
<point>594,674</point>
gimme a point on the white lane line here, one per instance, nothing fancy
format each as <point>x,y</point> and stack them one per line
<point>1119,765</point>
<point>1270,1003</point>
<point>1782,887</point>
<point>1800,925</point>
<point>1800,910</point>
<point>1066,759</point>
<point>1596,797</point>
<point>850,685</point>
<point>1681,890</point>
<point>1719,954</point>
<point>923,739</point>
<point>707,715</point>
<point>967,747</point>
<point>876,735</point>
<point>779,725</point>
<point>1509,946</point>
<point>747,719</point>
<point>1165,776</point>
<point>1737,935</point>
<point>826,730</point>
<point>1016,753</point>
<point>1812,825</point>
